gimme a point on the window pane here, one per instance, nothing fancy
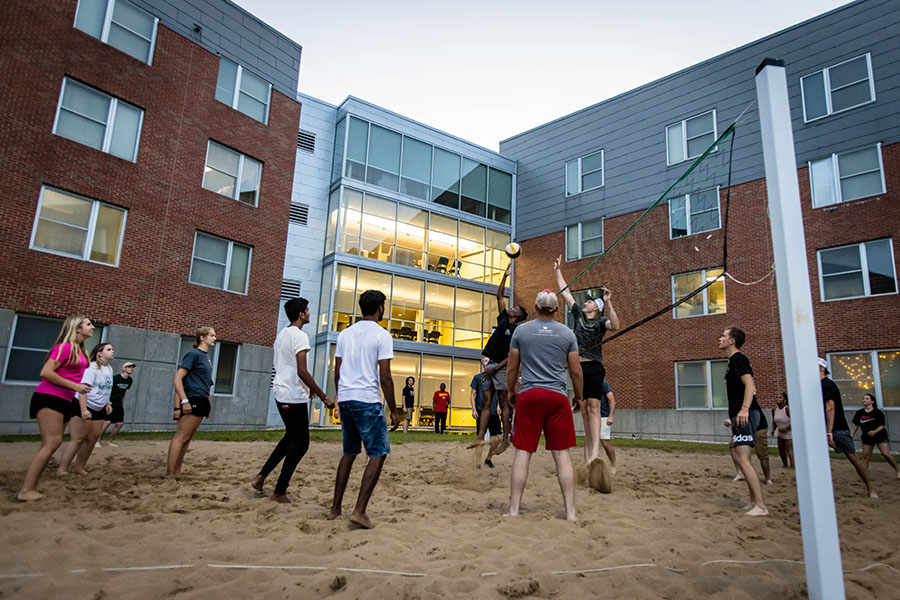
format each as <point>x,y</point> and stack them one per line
<point>716,292</point>
<point>692,396</point>
<point>240,267</point>
<point>859,161</point>
<point>474,187</point>
<point>357,143</point>
<point>839,260</point>
<point>90,17</point>
<point>460,392</point>
<point>471,251</point>
<point>211,249</point>
<point>468,311</point>
<point>226,367</point>
<point>220,183</point>
<point>139,21</point>
<point>822,175</point>
<point>889,372</point>
<point>435,371</point>
<point>572,242</point>
<point>254,86</point>
<point>411,226</point>
<point>678,216</point>
<point>407,309</point>
<point>675,143</point>
<point>351,215</point>
<point>848,72</point>
<point>445,185</point>
<point>860,186</point>
<point>843,286</point>
<point>438,314</point>
<point>338,156</point>
<point>222,159</point>
<point>69,235</point>
<point>705,200</point>
<point>851,96</point>
<point>344,298</point>
<point>592,247</point>
<point>225,82</point>
<point>126,128</point>
<point>442,242</point>
<point>698,145</point>
<point>384,158</point>
<point>591,163</point>
<point>207,273</point>
<point>705,221</point>
<point>814,95</point>
<point>325,299</point>
<point>499,196</point>
<point>683,285</point>
<point>592,180</point>
<point>378,228</point>
<point>251,107</point>
<point>854,375</point>
<point>80,129</point>
<point>374,280</point>
<point>592,229</point>
<point>126,41</point>
<point>86,101</point>
<point>416,168</point>
<point>572,177</point>
<point>107,234</point>
<point>405,364</point>
<point>250,176</point>
<point>692,373</point>
<point>700,125</point>
<point>882,279</point>
<point>65,208</point>
<point>719,394</point>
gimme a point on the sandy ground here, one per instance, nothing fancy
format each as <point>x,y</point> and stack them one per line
<point>437,516</point>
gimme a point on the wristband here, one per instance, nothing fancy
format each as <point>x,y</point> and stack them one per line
<point>828,434</point>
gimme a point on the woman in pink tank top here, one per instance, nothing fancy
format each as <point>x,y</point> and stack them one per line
<point>53,402</point>
<point>781,422</point>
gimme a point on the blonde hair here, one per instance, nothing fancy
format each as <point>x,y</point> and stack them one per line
<point>68,336</point>
<point>201,333</point>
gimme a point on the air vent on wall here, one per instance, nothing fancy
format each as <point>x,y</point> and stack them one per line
<point>306,141</point>
<point>290,288</point>
<point>299,213</point>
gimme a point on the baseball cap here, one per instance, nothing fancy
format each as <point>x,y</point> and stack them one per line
<point>599,302</point>
<point>129,364</point>
<point>546,300</point>
<point>824,364</point>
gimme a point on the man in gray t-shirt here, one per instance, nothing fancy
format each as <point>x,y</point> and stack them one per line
<point>541,350</point>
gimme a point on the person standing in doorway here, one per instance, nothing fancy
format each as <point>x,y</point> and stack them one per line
<point>362,361</point>
<point>193,398</point>
<point>121,384</point>
<point>409,403</point>
<point>441,402</point>
<point>291,387</point>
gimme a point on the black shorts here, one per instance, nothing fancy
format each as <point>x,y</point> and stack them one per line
<point>97,415</point>
<point>745,435</point>
<point>199,407</point>
<point>874,440</point>
<point>117,415</point>
<point>493,426</point>
<point>67,408</point>
<point>594,374</point>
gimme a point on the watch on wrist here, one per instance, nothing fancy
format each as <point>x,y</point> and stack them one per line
<point>185,401</point>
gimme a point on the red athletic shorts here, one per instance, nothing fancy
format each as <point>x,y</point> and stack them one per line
<point>540,410</point>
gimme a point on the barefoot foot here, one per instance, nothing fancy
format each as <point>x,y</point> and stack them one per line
<point>757,511</point>
<point>80,471</point>
<point>334,514</point>
<point>257,483</point>
<point>24,496</point>
<point>362,520</point>
<point>872,494</point>
<point>280,498</point>
<point>738,477</point>
<point>475,444</point>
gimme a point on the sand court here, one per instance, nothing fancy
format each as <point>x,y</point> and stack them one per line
<point>121,532</point>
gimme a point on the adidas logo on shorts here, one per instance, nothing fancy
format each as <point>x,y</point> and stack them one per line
<point>742,438</point>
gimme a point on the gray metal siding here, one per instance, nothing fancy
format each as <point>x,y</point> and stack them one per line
<point>631,127</point>
<point>234,33</point>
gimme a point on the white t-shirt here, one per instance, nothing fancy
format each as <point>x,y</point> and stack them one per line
<point>101,380</point>
<point>360,347</point>
<point>288,387</point>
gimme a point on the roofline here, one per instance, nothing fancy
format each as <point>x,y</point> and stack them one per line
<point>264,24</point>
<point>687,69</point>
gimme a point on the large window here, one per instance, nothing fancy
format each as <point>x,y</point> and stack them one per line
<point>691,137</point>
<point>232,174</point>
<point>442,243</point>
<point>847,176</point>
<point>584,239</point>
<point>708,302</point>
<point>499,196</point>
<point>242,90</point>
<point>445,186</point>
<point>694,213</point>
<point>384,158</point>
<point>838,88</point>
<point>73,226</point>
<point>857,270</point>
<point>220,263</point>
<point>224,357</point>
<point>120,24</point>
<point>585,173</point>
<point>90,117</point>
<point>701,384</point>
<point>32,338</point>
<point>415,172</point>
<point>876,372</point>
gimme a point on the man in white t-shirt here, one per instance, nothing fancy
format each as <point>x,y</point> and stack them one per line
<point>292,385</point>
<point>362,360</point>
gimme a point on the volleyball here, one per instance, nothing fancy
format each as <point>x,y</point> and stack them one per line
<point>513,250</point>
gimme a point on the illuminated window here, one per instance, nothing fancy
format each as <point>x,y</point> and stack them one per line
<point>439,300</point>
<point>497,260</point>
<point>344,298</point>
<point>334,202</point>
<point>876,372</point>
<point>327,288</point>
<point>471,251</point>
<point>460,389</point>
<point>411,226</point>
<point>467,320</point>
<point>374,280</point>
<point>406,364</point>
<point>407,309</point>
<point>710,301</point>
<point>350,221</point>
<point>701,384</point>
<point>435,371</point>
<point>379,226</point>
<point>442,242</point>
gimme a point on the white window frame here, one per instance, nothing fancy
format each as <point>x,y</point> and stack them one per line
<point>709,399</point>
<point>826,81</point>
<point>876,374</point>
<point>864,269</point>
<point>687,209</point>
<point>227,265</point>
<point>836,180</point>
<point>238,176</point>
<point>581,253</point>
<point>578,162</point>
<point>215,364</point>
<point>10,347</point>
<point>107,19</point>
<point>91,228</point>
<point>705,294</point>
<point>237,92</point>
<point>110,119</point>
<point>684,138</point>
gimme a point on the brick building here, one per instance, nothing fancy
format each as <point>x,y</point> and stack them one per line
<point>147,166</point>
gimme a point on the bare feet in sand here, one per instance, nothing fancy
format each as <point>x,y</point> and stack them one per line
<point>280,498</point>
<point>80,471</point>
<point>769,482</point>
<point>29,496</point>
<point>738,477</point>
<point>504,444</point>
<point>475,444</point>
<point>331,516</point>
<point>872,494</point>
<point>257,483</point>
<point>362,520</point>
<point>757,511</point>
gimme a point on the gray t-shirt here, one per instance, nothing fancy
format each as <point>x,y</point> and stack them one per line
<point>544,348</point>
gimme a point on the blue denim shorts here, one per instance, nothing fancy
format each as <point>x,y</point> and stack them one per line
<point>363,423</point>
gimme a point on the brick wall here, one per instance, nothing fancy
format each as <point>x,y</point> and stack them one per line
<point>640,364</point>
<point>162,190</point>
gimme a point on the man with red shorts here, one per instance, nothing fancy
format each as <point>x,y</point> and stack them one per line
<point>541,349</point>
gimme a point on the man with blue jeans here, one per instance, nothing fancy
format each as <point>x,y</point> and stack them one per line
<point>362,360</point>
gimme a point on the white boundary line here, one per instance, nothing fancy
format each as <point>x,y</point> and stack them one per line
<point>268,567</point>
<point>380,572</point>
<point>158,568</point>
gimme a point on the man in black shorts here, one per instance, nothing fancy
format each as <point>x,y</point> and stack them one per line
<point>493,426</point>
<point>744,414</point>
<point>836,427</point>
<point>121,384</point>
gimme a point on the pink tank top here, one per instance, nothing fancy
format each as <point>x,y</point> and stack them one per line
<point>69,372</point>
<point>782,422</point>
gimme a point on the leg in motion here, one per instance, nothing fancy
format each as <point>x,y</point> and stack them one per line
<point>369,480</point>
<point>340,484</point>
<point>51,425</point>
<point>741,456</point>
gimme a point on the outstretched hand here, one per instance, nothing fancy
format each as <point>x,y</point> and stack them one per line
<point>605,293</point>
<point>557,262</point>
